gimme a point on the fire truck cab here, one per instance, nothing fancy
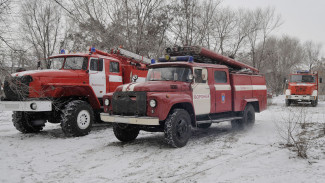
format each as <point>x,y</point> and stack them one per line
<point>302,87</point>
<point>180,95</point>
<point>70,91</point>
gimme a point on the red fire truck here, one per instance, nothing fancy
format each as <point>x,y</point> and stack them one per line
<point>302,87</point>
<point>70,91</point>
<point>180,94</point>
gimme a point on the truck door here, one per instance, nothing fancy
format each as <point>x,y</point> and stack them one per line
<point>222,89</point>
<point>201,91</point>
<point>97,79</point>
<point>115,76</point>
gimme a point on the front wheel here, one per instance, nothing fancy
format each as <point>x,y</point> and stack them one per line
<point>23,123</point>
<point>314,102</point>
<point>125,132</point>
<point>77,118</point>
<point>178,128</point>
<point>288,102</point>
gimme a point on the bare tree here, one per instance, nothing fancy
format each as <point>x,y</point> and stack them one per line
<point>140,26</point>
<point>4,8</point>
<point>264,22</point>
<point>281,56</point>
<point>225,23</point>
<point>205,23</point>
<point>184,26</point>
<point>312,54</point>
<point>42,25</point>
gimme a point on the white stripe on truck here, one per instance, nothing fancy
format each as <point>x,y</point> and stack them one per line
<point>249,87</point>
<point>114,78</point>
<point>222,87</point>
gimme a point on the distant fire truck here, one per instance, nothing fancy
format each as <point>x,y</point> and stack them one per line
<point>191,87</point>
<point>70,91</point>
<point>302,87</point>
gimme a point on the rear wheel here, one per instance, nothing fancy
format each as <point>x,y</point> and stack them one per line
<point>77,118</point>
<point>178,128</point>
<point>125,132</point>
<point>248,119</point>
<point>25,124</point>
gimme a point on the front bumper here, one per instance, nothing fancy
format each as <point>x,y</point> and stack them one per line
<point>144,120</point>
<point>25,106</point>
<point>301,97</point>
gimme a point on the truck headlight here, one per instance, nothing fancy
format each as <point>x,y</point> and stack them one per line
<point>153,103</point>
<point>288,92</point>
<point>314,93</point>
<point>106,102</point>
<point>33,106</point>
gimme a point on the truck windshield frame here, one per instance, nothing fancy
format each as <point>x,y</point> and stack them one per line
<point>56,63</point>
<point>298,78</point>
<point>75,63</point>
<point>171,73</point>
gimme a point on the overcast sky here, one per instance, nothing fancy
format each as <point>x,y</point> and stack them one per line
<point>303,19</point>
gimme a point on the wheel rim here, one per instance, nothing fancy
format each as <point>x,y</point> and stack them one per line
<point>181,128</point>
<point>83,119</point>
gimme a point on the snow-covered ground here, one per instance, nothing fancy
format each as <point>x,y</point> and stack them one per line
<point>217,154</point>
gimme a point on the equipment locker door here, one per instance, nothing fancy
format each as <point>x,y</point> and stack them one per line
<point>222,91</point>
<point>201,92</point>
<point>97,79</point>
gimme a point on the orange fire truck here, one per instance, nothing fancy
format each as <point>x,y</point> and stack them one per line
<point>302,87</point>
<point>70,91</point>
<point>190,87</point>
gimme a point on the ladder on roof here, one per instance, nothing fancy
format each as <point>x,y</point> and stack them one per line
<point>203,55</point>
<point>133,55</point>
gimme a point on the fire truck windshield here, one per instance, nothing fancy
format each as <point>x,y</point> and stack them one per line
<point>169,74</point>
<point>302,79</point>
<point>76,63</point>
<point>56,63</point>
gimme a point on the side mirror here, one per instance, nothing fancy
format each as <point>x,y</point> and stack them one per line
<point>320,80</point>
<point>134,78</point>
<point>87,71</point>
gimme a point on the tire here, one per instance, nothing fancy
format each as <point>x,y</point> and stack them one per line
<point>22,122</point>
<point>177,128</point>
<point>77,118</point>
<point>288,102</point>
<point>247,121</point>
<point>125,132</point>
<point>97,119</point>
<point>204,125</point>
<point>237,124</point>
<point>314,102</point>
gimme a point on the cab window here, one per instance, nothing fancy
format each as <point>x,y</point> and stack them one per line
<point>96,64</point>
<point>114,67</point>
<point>220,77</point>
<point>200,76</point>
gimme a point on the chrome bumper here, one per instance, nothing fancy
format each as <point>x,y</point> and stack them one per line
<point>301,97</point>
<point>129,119</point>
<point>25,106</point>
